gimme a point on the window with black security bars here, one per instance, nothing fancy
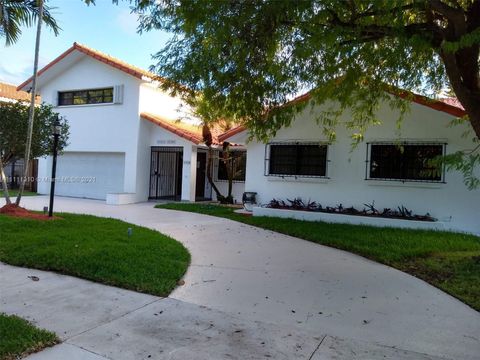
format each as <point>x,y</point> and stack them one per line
<point>405,162</point>
<point>296,159</point>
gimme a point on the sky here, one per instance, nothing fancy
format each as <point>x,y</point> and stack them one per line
<point>105,27</point>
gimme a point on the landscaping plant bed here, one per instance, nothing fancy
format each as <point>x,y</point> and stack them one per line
<point>357,219</point>
<point>17,211</point>
<point>401,212</point>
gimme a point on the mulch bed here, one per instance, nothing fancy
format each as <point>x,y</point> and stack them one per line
<point>17,211</point>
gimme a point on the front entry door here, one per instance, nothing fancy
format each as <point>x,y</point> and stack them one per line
<point>166,173</point>
<point>201,173</point>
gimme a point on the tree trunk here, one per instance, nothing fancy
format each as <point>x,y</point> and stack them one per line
<point>220,197</point>
<point>230,187</point>
<point>31,114</point>
<point>4,182</point>
<point>468,97</point>
<point>471,103</point>
<point>475,121</point>
<point>228,161</point>
<point>208,139</point>
<point>461,66</point>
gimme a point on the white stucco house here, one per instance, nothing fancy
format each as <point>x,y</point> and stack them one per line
<point>125,143</point>
<point>126,146</point>
<point>300,162</point>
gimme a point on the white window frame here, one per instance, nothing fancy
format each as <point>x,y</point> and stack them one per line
<point>117,98</point>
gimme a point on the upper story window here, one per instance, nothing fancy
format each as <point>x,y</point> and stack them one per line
<point>404,162</point>
<point>236,162</point>
<point>296,159</point>
<point>84,97</point>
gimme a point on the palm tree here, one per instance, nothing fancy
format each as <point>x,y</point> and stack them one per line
<point>3,180</point>
<point>17,13</point>
<point>31,115</point>
<point>13,15</point>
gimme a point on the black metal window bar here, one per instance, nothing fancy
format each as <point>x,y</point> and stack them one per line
<point>237,164</point>
<point>404,161</point>
<point>296,159</point>
<point>84,97</point>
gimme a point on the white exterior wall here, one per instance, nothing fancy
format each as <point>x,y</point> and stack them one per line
<point>44,171</point>
<point>117,128</point>
<point>451,202</point>
<point>189,174</point>
<point>109,128</point>
<point>156,101</point>
<point>143,160</point>
<point>158,136</point>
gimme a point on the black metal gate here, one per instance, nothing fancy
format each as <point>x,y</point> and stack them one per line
<point>166,173</point>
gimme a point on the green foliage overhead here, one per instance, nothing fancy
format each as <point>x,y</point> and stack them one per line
<point>14,125</point>
<point>247,59</point>
<point>17,13</point>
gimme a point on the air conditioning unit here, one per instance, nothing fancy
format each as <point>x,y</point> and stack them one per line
<point>249,200</point>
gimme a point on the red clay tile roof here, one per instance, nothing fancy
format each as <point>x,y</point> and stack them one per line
<point>448,105</point>
<point>106,59</point>
<point>453,101</point>
<point>451,106</point>
<point>229,133</point>
<point>189,132</point>
<point>217,132</point>
<point>9,91</point>
<point>439,105</point>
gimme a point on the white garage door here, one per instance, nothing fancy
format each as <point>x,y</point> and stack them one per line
<point>90,175</point>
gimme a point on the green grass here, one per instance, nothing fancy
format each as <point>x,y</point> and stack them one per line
<point>14,193</point>
<point>449,261</point>
<point>19,338</point>
<point>96,249</point>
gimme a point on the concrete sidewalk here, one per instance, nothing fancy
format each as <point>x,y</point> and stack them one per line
<point>98,322</point>
<point>257,275</point>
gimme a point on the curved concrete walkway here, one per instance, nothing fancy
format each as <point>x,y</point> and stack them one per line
<point>256,274</point>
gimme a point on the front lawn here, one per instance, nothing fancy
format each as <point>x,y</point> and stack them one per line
<point>97,249</point>
<point>19,338</point>
<point>450,261</point>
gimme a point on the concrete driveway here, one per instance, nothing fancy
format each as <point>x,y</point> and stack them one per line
<point>258,275</point>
